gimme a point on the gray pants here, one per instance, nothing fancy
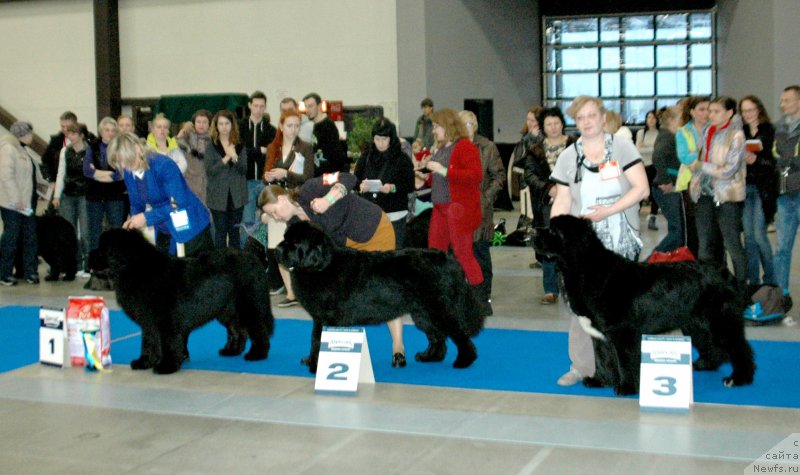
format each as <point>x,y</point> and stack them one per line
<point>73,209</point>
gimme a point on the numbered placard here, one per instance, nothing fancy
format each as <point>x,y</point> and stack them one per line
<point>343,361</point>
<point>665,381</point>
<point>52,337</point>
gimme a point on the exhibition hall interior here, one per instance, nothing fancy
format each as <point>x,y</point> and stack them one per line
<point>77,398</point>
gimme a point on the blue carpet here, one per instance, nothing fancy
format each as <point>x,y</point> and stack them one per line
<point>508,360</point>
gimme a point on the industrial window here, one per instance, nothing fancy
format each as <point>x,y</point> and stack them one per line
<point>634,63</point>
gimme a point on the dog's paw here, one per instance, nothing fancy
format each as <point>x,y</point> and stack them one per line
<point>733,380</point>
<point>311,363</point>
<point>625,389</point>
<point>256,354</point>
<point>166,367</point>
<point>592,382</point>
<point>464,361</point>
<point>141,363</point>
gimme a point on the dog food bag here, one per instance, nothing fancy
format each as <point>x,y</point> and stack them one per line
<point>88,313</point>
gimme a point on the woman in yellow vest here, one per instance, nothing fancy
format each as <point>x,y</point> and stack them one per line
<point>694,117</point>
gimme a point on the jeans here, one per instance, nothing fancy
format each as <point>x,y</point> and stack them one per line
<point>756,244</point>
<point>73,209</point>
<point>672,208</point>
<point>251,213</point>
<point>786,223</point>
<point>721,222</point>
<point>96,211</point>
<point>18,228</point>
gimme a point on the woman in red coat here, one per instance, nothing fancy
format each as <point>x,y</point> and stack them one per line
<point>455,192</point>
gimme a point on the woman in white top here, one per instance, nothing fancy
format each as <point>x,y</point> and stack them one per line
<point>609,199</point>
<point>645,141</point>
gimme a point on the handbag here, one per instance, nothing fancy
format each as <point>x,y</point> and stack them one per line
<point>790,181</point>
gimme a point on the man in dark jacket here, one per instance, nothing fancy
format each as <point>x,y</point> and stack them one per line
<point>329,152</point>
<point>256,134</point>
<point>57,142</point>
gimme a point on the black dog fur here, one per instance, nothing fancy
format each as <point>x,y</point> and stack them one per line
<point>169,297</point>
<point>58,246</point>
<point>344,287</point>
<point>626,299</point>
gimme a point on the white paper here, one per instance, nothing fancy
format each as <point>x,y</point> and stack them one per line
<point>373,186</point>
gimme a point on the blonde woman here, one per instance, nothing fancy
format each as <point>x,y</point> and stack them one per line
<point>156,189</point>
<point>162,143</point>
<point>106,194</point>
<point>603,179</point>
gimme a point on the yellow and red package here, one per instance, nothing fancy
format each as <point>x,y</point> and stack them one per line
<point>84,313</point>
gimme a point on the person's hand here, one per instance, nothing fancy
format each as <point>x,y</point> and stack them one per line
<point>597,213</point>
<point>436,167</point>
<point>320,205</point>
<point>230,153</point>
<point>362,187</point>
<point>276,174</point>
<point>552,192</point>
<point>136,221</point>
<point>386,188</point>
<point>20,205</point>
<point>666,187</point>
<point>56,203</point>
<point>750,158</point>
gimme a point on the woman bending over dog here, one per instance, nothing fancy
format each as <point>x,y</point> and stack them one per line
<point>351,221</point>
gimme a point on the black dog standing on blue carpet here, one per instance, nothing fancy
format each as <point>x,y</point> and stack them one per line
<point>626,299</point>
<point>345,287</point>
<point>169,297</point>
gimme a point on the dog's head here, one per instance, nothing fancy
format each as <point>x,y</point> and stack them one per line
<point>305,246</point>
<point>565,234</point>
<point>119,248</point>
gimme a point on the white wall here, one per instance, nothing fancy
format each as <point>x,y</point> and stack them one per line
<point>47,59</point>
<point>345,50</point>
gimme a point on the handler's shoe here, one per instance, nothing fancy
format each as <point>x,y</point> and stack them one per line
<point>570,378</point>
<point>288,303</point>
<point>279,291</point>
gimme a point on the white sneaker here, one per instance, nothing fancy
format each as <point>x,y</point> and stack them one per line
<point>83,274</point>
<point>278,291</point>
<point>569,378</point>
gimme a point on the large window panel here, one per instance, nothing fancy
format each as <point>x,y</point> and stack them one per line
<point>573,85</point>
<point>579,59</point>
<point>671,26</point>
<point>638,57</point>
<point>633,63</point>
<point>701,83</point>
<point>637,28</point>
<point>671,56</point>
<point>639,84</point>
<point>671,83</point>
<point>610,85</point>
<point>700,54</point>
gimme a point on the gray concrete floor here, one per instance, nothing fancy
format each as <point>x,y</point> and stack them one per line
<point>69,421</point>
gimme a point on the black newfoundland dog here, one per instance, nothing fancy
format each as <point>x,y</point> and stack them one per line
<point>625,299</point>
<point>344,287</point>
<point>169,297</point>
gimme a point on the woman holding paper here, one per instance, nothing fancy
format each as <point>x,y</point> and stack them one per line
<point>761,192</point>
<point>386,176</point>
<point>159,196</point>
<point>290,163</point>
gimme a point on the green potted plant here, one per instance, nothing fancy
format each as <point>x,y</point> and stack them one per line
<point>359,138</point>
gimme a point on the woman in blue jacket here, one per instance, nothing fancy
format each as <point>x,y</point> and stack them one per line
<point>160,197</point>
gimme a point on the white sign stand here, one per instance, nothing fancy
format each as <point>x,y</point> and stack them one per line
<point>665,381</point>
<point>52,337</point>
<point>343,361</point>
